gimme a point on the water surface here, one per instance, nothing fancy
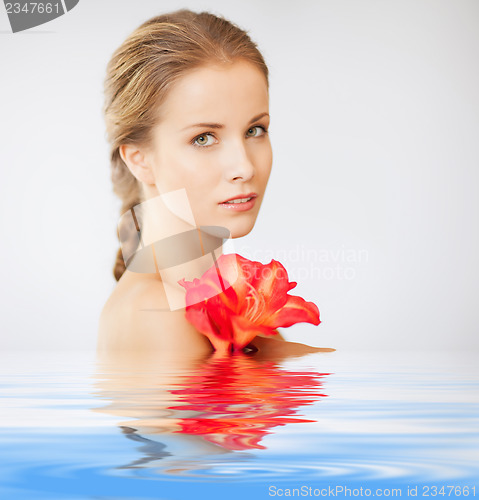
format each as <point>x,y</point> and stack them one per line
<point>72,427</point>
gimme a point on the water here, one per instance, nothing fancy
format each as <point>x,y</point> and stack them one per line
<point>75,428</point>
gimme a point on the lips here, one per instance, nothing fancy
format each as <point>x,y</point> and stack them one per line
<point>240,197</point>
<point>243,204</point>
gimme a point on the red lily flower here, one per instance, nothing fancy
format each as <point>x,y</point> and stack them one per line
<point>238,299</point>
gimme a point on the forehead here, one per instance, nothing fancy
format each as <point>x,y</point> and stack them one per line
<point>213,92</point>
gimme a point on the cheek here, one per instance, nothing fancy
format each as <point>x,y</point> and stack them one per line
<point>200,182</point>
<point>199,185</point>
<point>183,171</point>
<point>266,166</point>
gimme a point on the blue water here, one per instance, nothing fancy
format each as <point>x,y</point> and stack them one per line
<point>341,424</point>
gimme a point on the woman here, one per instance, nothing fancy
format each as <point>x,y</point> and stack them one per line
<point>187,111</point>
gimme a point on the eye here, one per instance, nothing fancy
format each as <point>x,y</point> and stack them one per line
<point>257,127</point>
<point>199,140</point>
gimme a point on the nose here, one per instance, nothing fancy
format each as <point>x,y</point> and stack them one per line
<point>241,168</point>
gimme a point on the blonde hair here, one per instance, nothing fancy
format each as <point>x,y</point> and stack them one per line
<point>143,69</point>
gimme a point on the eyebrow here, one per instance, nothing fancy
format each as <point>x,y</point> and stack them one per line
<point>219,125</point>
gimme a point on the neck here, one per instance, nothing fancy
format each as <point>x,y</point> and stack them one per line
<point>171,245</point>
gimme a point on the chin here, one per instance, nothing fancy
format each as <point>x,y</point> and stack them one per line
<point>238,225</point>
<point>239,229</point>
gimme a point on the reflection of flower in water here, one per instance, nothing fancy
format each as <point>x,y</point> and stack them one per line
<point>187,415</point>
<point>240,399</point>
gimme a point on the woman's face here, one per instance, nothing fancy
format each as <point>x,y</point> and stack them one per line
<point>212,141</point>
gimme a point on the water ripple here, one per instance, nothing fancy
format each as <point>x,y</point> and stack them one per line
<point>65,426</point>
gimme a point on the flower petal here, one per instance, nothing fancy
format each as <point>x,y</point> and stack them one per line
<point>220,338</point>
<point>220,318</point>
<point>198,317</point>
<point>245,331</point>
<point>239,272</point>
<point>228,269</point>
<point>208,289</point>
<point>273,283</point>
<point>296,310</point>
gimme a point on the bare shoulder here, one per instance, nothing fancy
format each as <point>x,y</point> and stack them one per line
<point>137,317</point>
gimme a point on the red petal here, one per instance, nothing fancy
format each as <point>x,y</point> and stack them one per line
<point>189,284</point>
<point>245,331</point>
<point>239,272</point>
<point>211,290</point>
<point>274,285</point>
<point>198,294</point>
<point>296,310</point>
<point>228,269</point>
<point>225,301</point>
<point>198,317</point>
<point>221,346</point>
<point>219,336</point>
<point>220,318</point>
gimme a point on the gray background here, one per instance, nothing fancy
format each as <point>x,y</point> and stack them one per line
<point>372,204</point>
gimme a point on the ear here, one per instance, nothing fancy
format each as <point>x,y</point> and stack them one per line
<point>136,160</point>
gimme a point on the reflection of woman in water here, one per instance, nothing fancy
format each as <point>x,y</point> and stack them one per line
<point>186,107</point>
<point>183,413</point>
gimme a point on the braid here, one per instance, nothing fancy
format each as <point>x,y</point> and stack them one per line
<point>127,187</point>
